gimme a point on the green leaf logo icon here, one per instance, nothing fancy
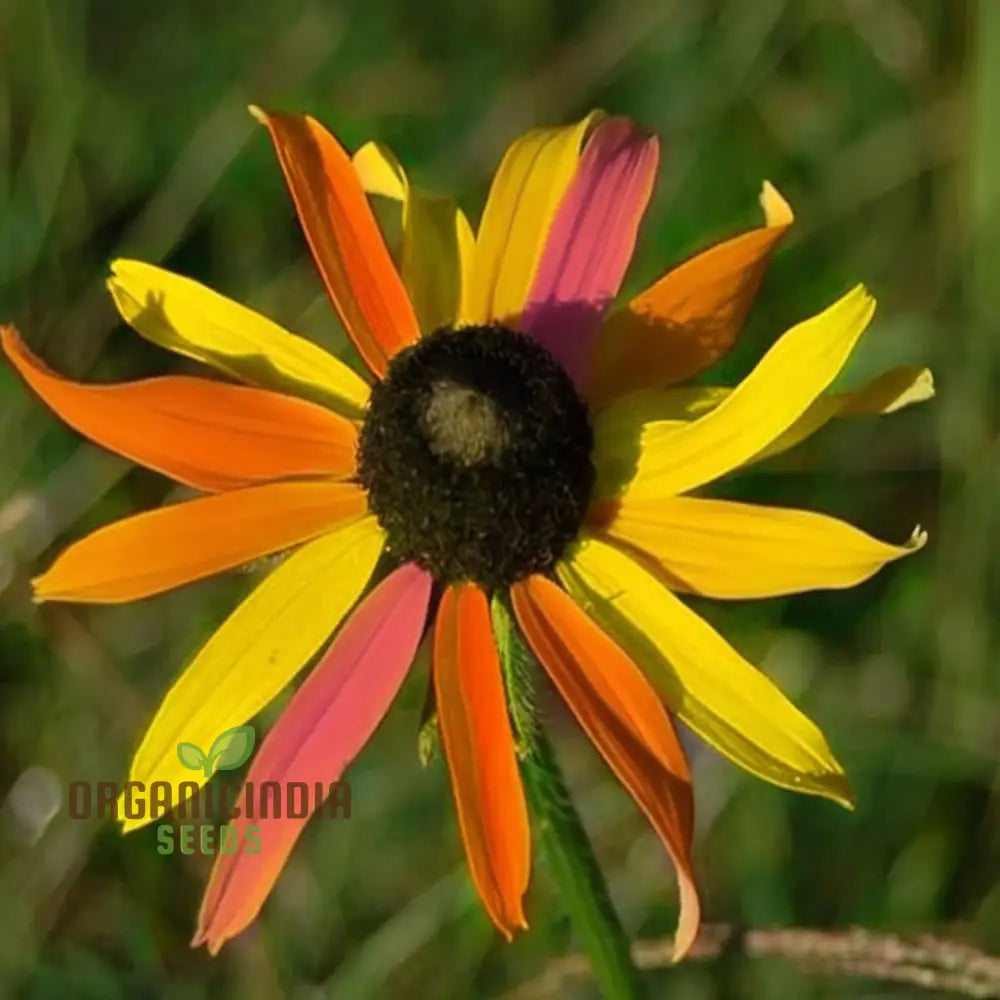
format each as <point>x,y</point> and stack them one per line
<point>232,748</point>
<point>191,756</point>
<point>229,750</point>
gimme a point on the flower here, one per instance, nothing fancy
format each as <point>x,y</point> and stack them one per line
<point>518,440</point>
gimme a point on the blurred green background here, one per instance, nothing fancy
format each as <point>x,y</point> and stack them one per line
<point>123,131</point>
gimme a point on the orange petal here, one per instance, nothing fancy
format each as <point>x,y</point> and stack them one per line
<point>622,715</point>
<point>690,317</point>
<point>479,747</point>
<point>348,248</point>
<point>165,548</point>
<point>209,435</point>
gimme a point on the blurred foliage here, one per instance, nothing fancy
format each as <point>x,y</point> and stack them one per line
<point>123,131</point>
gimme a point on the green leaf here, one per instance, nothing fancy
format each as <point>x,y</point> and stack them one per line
<point>428,741</point>
<point>191,756</point>
<point>429,735</point>
<point>231,748</point>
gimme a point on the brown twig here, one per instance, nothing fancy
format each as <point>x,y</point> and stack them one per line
<point>926,962</point>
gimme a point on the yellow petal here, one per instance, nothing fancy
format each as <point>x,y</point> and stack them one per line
<point>777,211</point>
<point>185,316</point>
<point>380,172</point>
<point>672,458</point>
<point>437,238</point>
<point>703,680</point>
<point>257,651</point>
<point>889,392</point>
<point>723,549</point>
<point>529,184</point>
<point>618,427</point>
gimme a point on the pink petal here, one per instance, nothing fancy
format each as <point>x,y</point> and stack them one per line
<point>327,722</point>
<point>591,241</point>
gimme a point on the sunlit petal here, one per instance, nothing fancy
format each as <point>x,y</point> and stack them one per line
<point>257,650</point>
<point>532,178</point>
<point>702,679</point>
<point>165,548</point>
<point>437,239</point>
<point>185,316</point>
<point>618,427</point>
<point>670,457</point>
<point>723,549</point>
<point>624,718</point>
<point>591,240</point>
<point>352,258</point>
<point>891,391</point>
<point>325,725</point>
<point>691,316</point>
<point>209,435</point>
<point>479,748</point>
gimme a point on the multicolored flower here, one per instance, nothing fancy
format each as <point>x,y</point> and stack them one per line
<point>522,437</point>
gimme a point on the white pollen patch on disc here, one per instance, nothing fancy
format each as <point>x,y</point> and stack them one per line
<point>464,425</point>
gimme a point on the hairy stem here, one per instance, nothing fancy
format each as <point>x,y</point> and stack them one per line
<point>567,848</point>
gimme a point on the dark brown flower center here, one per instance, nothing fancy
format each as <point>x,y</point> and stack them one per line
<point>476,454</point>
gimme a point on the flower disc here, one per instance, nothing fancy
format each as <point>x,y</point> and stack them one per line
<point>476,454</point>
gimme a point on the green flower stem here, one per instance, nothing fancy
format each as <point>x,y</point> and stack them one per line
<point>564,840</point>
<point>576,872</point>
